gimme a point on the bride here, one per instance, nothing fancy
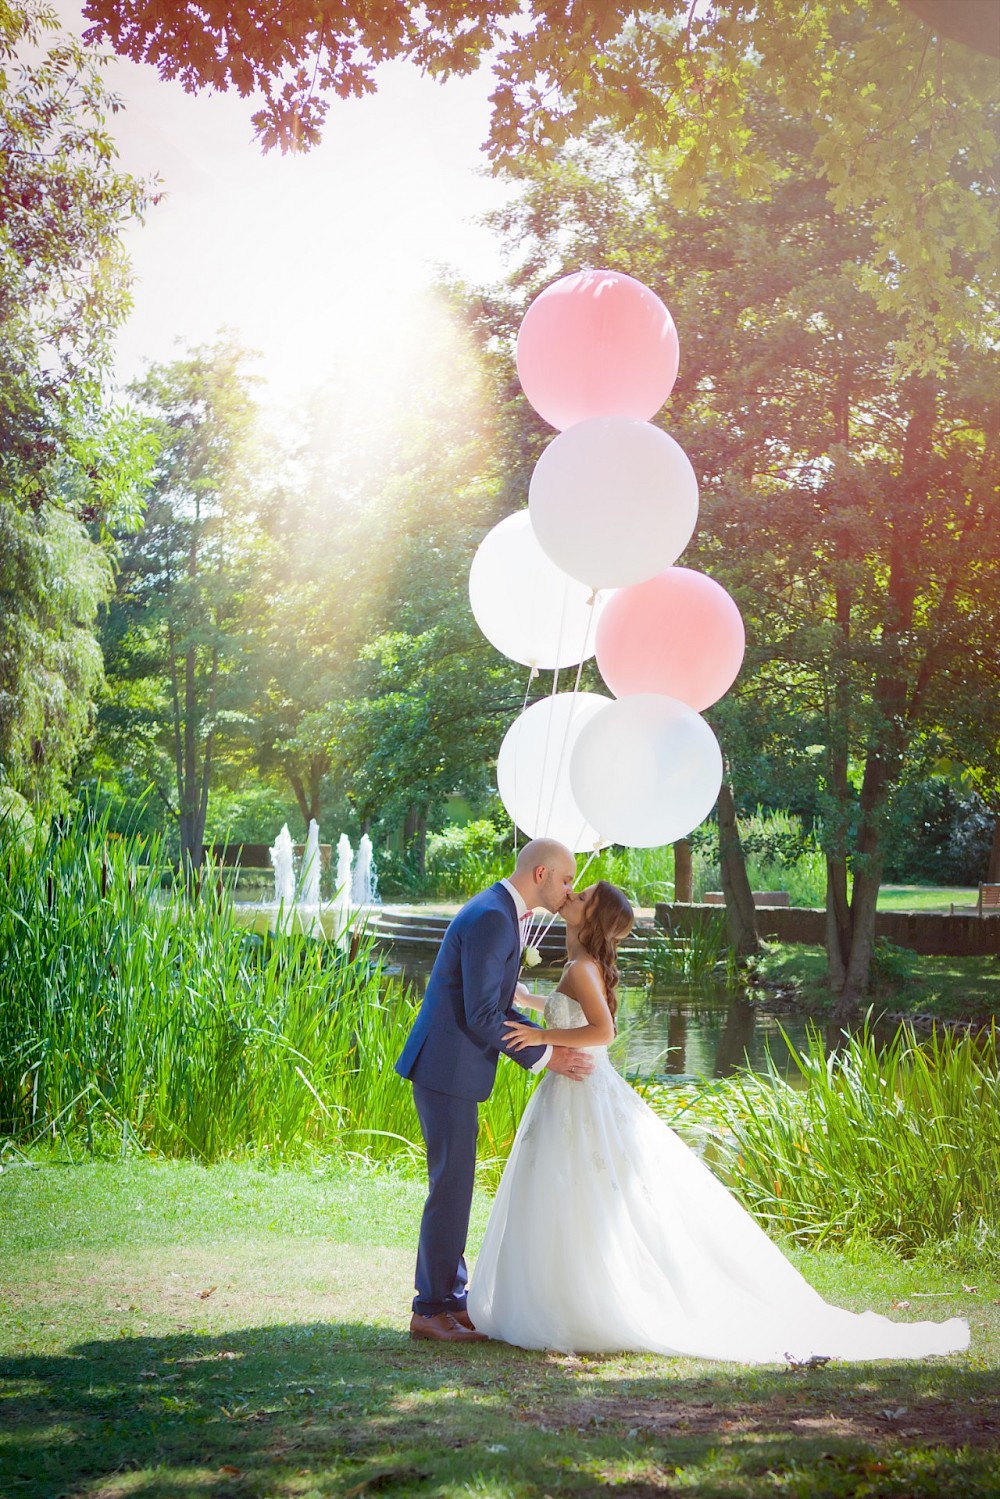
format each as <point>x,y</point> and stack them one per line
<point>608,1233</point>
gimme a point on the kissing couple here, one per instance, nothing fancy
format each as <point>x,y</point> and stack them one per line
<point>607,1233</point>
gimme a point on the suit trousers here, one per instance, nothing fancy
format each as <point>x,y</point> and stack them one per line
<point>450,1127</point>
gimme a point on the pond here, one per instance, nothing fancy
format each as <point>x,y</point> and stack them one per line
<point>681,1033</point>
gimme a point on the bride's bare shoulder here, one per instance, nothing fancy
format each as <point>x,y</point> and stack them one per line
<point>581,976</point>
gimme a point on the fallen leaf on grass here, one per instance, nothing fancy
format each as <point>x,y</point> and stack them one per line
<point>230,1472</point>
<point>802,1365</point>
<point>900,1306</point>
<point>895,1415</point>
<point>971,1290</point>
<point>204,1295</point>
<point>383,1479</point>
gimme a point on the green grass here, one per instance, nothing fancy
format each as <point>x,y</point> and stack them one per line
<point>169,1329</point>
<point>904,982</point>
<point>927,897</point>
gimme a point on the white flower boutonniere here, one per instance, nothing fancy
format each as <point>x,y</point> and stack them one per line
<point>531,957</point>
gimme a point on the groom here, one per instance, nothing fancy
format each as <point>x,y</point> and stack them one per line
<point>450,1057</point>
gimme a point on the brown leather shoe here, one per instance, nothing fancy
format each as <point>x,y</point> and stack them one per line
<point>464,1320</point>
<point>444,1328</point>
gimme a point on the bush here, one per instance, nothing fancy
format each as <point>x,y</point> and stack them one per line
<point>462,860</point>
<point>781,853</point>
<point>938,834</point>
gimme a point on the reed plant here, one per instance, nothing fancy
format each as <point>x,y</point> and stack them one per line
<point>135,1018</point>
<point>695,956</point>
<point>897,1142</point>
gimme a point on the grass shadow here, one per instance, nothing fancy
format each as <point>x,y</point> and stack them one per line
<point>353,1408</point>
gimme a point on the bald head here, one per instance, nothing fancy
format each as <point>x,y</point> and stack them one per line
<point>544,873</point>
<point>541,852</point>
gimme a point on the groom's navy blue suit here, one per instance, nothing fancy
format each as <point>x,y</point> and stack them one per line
<point>450,1057</point>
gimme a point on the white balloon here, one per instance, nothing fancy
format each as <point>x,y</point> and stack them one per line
<point>525,605</point>
<point>646,770</point>
<point>533,768</point>
<point>613,501</point>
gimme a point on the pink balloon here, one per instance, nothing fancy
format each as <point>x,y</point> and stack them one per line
<point>597,343</point>
<point>678,634</point>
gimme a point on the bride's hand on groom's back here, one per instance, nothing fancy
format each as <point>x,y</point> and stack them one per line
<point>519,1034</point>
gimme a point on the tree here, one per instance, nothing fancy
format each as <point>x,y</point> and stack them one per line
<point>71,464</point>
<point>427,699</point>
<point>186,605</point>
<point>318,574</point>
<point>866,79</point>
<point>853,513</point>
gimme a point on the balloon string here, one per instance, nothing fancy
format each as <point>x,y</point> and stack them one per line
<point>532,674</point>
<point>573,704</point>
<point>540,830</point>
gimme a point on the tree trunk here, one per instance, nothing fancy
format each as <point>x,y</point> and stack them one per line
<point>415,837</point>
<point>838,922</point>
<point>683,876</point>
<point>854,993</point>
<point>741,917</point>
<point>993,871</point>
<point>864,893</point>
<point>295,781</point>
<point>308,791</point>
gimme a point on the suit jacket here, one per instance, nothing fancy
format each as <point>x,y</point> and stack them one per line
<point>458,1033</point>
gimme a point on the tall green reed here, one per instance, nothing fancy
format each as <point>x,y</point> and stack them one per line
<point>898,1142</point>
<point>700,953</point>
<point>132,1016</point>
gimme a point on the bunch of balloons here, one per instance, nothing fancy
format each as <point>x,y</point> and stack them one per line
<point>589,569</point>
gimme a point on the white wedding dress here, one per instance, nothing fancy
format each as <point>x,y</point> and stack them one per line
<point>608,1233</point>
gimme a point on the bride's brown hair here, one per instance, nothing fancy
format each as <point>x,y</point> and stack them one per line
<point>609,918</point>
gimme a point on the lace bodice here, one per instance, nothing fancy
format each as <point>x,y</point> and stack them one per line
<point>563,1013</point>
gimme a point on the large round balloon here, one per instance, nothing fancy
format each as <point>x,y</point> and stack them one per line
<point>646,770</point>
<point>679,634</point>
<point>613,501</point>
<point>596,343</point>
<point>524,604</point>
<point>533,768</point>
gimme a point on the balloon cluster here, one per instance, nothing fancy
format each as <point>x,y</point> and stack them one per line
<point>588,569</point>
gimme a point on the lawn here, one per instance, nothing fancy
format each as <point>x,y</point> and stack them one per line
<point>927,897</point>
<point>903,982</point>
<point>169,1329</point>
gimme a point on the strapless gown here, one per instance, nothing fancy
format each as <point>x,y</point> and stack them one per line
<point>609,1234</point>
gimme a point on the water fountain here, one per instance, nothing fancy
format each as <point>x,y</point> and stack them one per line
<point>364,888</point>
<point>284,879</point>
<point>355,887</point>
<point>308,894</point>
<point>342,892</point>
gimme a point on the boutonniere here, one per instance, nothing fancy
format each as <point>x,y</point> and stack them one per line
<point>530,957</point>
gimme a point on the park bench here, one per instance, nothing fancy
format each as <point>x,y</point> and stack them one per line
<point>989,899</point>
<point>988,903</point>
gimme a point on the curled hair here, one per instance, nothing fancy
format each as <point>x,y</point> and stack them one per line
<point>609,918</point>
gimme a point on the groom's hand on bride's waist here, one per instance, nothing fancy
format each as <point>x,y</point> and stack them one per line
<point>570,1062</point>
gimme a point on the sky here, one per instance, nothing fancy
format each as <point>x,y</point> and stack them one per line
<point>317,261</point>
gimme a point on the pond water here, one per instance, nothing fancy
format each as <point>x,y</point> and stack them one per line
<point>680,1033</point>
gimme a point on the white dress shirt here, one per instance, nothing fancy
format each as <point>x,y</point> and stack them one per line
<point>523,917</point>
